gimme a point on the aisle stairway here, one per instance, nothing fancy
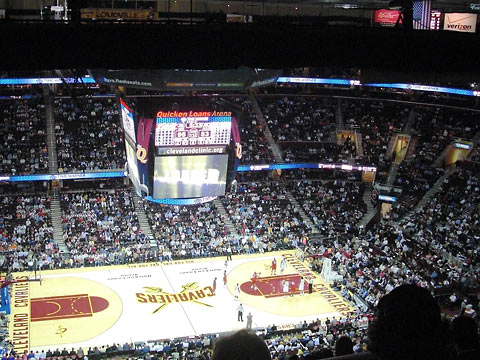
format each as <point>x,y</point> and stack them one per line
<point>411,121</point>
<point>339,115</point>
<point>367,197</point>
<point>371,210</point>
<point>411,148</point>
<point>426,198</point>
<point>302,213</point>
<point>359,144</point>
<point>277,153</point>
<point>391,144</point>
<point>51,140</point>
<point>392,173</point>
<point>438,161</point>
<point>142,216</point>
<point>226,218</point>
<point>55,209</point>
<point>56,213</point>
<point>476,144</point>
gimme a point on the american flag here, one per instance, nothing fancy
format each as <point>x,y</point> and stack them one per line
<point>421,14</point>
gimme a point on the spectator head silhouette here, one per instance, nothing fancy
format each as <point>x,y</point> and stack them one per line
<point>465,337</point>
<point>241,345</point>
<point>343,346</point>
<point>319,354</point>
<point>408,326</point>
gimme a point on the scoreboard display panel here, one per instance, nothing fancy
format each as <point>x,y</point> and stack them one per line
<point>190,128</point>
<point>132,163</point>
<point>189,176</point>
<point>127,120</point>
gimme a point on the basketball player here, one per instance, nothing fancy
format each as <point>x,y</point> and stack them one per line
<point>214,285</point>
<point>254,281</point>
<point>310,285</point>
<point>301,286</point>
<point>283,265</point>
<point>292,288</point>
<point>274,267</point>
<point>286,287</point>
<point>225,278</point>
<point>237,291</point>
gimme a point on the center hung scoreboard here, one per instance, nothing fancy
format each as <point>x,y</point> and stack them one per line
<point>182,156</point>
<point>191,153</point>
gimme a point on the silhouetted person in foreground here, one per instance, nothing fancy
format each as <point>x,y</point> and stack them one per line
<point>408,326</point>
<point>343,346</point>
<point>465,338</point>
<point>319,354</point>
<point>241,345</point>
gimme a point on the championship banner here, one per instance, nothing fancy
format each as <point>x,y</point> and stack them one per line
<point>435,20</point>
<point>118,14</point>
<point>461,22</point>
<point>386,17</point>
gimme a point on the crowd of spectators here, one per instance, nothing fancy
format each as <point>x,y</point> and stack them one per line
<point>255,146</point>
<point>447,228</point>
<point>415,176</point>
<point>443,125</point>
<point>319,337</point>
<point>101,228</point>
<point>332,205</point>
<point>475,154</point>
<point>367,265</point>
<point>299,118</point>
<point>316,152</point>
<point>23,141</point>
<point>187,231</point>
<point>376,121</point>
<point>264,217</point>
<point>88,134</point>
<point>436,248</point>
<point>26,233</point>
<point>301,339</point>
<point>435,129</point>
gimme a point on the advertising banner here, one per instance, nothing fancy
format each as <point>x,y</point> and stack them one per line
<point>386,17</point>
<point>143,140</point>
<point>236,18</point>
<point>118,14</point>
<point>461,22</point>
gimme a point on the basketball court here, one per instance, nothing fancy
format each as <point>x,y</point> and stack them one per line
<point>140,302</point>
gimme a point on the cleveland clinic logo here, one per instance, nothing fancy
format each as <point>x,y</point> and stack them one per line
<point>191,292</point>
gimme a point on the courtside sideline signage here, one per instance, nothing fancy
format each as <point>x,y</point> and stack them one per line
<point>461,22</point>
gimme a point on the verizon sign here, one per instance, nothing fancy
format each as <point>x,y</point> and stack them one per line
<point>387,17</point>
<point>461,22</point>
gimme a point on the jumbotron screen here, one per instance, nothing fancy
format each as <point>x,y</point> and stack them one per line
<point>127,120</point>
<point>189,176</point>
<point>192,128</point>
